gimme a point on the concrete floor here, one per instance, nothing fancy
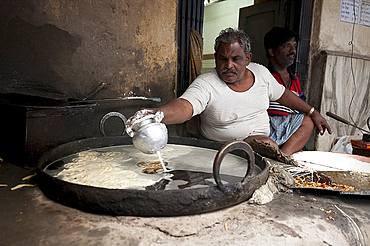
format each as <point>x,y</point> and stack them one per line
<point>30,218</point>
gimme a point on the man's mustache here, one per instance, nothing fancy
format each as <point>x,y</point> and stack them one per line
<point>228,71</point>
<point>291,54</point>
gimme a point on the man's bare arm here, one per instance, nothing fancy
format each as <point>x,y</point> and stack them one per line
<point>289,99</point>
<point>177,111</point>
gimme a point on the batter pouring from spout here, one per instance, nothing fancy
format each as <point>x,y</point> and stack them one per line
<point>232,99</point>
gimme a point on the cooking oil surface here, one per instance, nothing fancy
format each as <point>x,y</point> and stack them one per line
<point>121,167</point>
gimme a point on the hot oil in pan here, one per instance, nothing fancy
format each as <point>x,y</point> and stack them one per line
<point>189,179</point>
<point>190,167</point>
<point>153,167</point>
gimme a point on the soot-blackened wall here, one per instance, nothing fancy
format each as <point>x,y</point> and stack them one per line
<point>76,45</point>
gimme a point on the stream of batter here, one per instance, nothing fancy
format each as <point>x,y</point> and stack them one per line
<point>161,160</point>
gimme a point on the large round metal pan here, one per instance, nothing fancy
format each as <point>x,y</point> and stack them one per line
<point>150,202</point>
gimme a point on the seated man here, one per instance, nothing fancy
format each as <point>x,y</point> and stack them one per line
<point>289,128</point>
<point>232,99</point>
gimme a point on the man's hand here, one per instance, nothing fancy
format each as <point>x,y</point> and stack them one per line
<point>320,123</point>
<point>292,101</point>
<point>157,116</point>
<point>175,112</point>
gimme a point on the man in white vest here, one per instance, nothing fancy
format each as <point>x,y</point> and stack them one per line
<point>232,99</point>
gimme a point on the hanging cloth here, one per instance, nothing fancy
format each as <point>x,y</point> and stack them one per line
<point>196,54</point>
<point>196,57</point>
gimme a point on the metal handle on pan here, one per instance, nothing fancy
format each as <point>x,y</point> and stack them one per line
<point>107,116</point>
<point>228,147</point>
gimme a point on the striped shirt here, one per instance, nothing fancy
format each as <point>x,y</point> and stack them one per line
<point>276,108</point>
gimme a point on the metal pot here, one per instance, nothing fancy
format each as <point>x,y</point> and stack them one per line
<point>149,136</point>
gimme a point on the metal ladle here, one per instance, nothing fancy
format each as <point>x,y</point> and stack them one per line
<point>338,118</point>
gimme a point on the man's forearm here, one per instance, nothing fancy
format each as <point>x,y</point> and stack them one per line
<point>177,111</point>
<point>289,99</point>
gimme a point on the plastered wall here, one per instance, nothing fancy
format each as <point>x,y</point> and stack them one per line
<point>76,45</point>
<point>329,33</point>
<point>339,78</point>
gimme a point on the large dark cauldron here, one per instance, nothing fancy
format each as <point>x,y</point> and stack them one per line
<point>154,202</point>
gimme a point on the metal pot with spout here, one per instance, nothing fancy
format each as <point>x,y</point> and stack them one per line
<point>148,135</point>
